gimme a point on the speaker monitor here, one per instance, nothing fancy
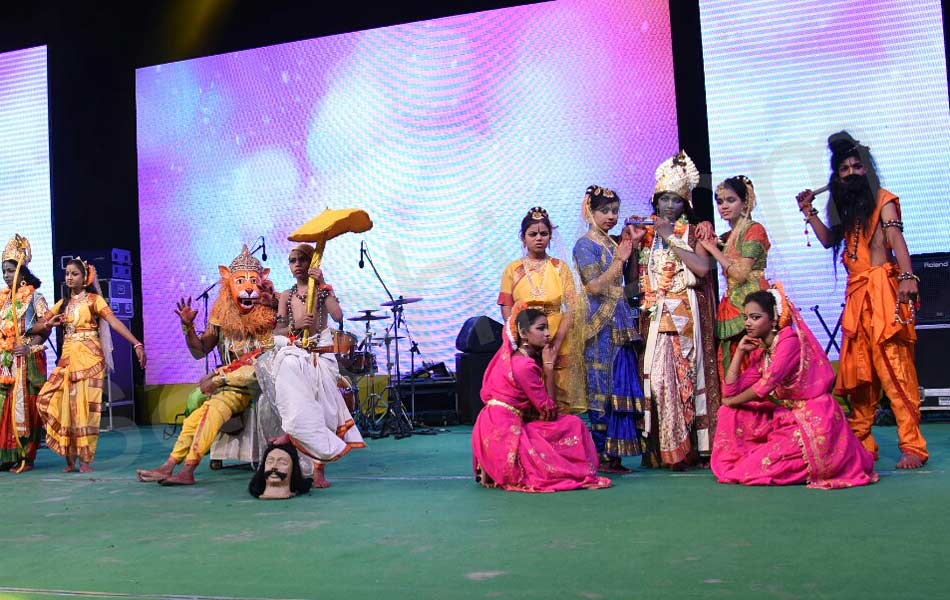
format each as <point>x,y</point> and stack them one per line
<point>116,292</point>
<point>934,272</point>
<point>435,402</point>
<point>479,334</point>
<point>470,369</point>
<point>119,392</point>
<point>110,263</point>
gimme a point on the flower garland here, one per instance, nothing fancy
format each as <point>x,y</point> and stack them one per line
<point>8,329</point>
<point>669,267</point>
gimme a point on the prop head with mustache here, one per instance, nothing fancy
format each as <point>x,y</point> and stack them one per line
<point>278,476</point>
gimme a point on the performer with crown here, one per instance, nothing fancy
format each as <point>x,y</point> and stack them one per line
<point>614,388</point>
<point>547,284</point>
<point>70,402</point>
<point>878,322</point>
<point>22,358</point>
<point>680,371</point>
<point>241,325</point>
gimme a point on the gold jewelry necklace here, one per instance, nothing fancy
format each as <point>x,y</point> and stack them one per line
<point>536,291</point>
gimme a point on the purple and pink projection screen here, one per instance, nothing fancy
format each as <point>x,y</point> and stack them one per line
<point>24,160</point>
<point>445,131</point>
<point>781,77</point>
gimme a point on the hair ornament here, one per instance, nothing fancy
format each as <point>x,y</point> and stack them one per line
<point>538,214</point>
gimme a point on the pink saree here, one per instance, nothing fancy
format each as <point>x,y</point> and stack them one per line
<point>515,453</point>
<point>799,434</point>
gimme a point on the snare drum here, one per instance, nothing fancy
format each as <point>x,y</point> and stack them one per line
<point>344,345</point>
<point>348,391</point>
<point>362,363</point>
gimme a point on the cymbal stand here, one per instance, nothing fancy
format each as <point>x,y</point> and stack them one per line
<point>395,421</point>
<point>420,428</point>
<point>365,421</point>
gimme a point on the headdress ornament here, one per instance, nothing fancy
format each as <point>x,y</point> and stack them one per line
<point>245,261</point>
<point>90,271</point>
<point>538,214</point>
<point>678,175</point>
<point>783,309</point>
<point>513,323</point>
<point>750,199</point>
<point>595,190</point>
<point>18,248</point>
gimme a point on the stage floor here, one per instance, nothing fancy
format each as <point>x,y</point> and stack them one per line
<point>404,519</point>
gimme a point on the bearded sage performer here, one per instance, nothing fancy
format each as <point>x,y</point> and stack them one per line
<point>878,321</point>
<point>778,424</point>
<point>680,373</point>
<point>241,326</point>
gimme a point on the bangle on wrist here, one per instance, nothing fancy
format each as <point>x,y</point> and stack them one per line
<point>138,345</point>
<point>906,276</point>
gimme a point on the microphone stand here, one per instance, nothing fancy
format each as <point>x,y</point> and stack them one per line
<point>396,418</point>
<point>203,296</point>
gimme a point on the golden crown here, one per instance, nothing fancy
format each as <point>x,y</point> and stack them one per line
<point>678,175</point>
<point>246,261</point>
<point>18,248</point>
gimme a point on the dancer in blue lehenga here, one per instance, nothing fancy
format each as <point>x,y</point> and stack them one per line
<point>614,388</point>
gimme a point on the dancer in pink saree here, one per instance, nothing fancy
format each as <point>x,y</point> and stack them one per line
<point>778,424</point>
<point>519,442</point>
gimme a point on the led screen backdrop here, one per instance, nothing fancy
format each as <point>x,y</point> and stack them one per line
<point>781,77</point>
<point>24,159</point>
<point>445,131</point>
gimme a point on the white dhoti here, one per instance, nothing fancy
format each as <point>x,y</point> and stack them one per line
<point>299,396</point>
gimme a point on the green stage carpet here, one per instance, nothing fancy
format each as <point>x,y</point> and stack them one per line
<point>404,519</point>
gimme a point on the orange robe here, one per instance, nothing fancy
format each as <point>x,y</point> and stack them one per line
<point>878,351</point>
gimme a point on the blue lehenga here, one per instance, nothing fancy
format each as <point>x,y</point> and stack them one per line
<point>614,387</point>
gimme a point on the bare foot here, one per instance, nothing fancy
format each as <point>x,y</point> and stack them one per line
<point>184,477</point>
<point>910,461</point>
<point>281,440</point>
<point>319,477</point>
<point>85,468</point>
<point>22,468</point>
<point>70,466</point>
<point>163,472</point>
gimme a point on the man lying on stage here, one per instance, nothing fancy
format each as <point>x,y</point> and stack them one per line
<point>878,321</point>
<point>241,325</point>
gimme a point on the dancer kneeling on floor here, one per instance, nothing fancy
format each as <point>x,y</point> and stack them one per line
<point>778,424</point>
<point>519,442</point>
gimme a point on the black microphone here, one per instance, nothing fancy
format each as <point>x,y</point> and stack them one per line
<point>362,264</point>
<point>263,248</point>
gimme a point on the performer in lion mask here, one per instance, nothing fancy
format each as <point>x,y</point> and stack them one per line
<point>241,325</point>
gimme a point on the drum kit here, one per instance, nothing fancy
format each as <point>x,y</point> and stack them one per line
<point>357,360</point>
